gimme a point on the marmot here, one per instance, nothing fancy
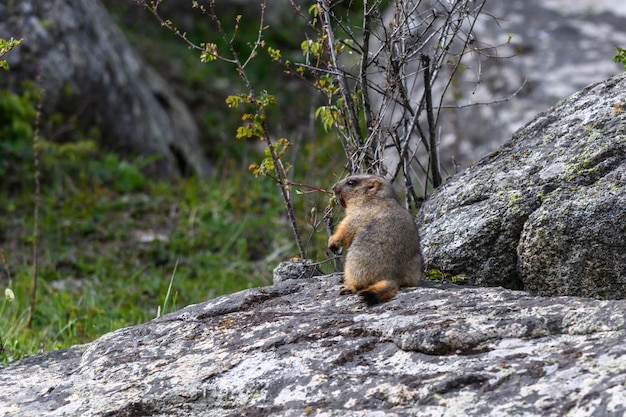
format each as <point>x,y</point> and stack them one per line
<point>381,238</point>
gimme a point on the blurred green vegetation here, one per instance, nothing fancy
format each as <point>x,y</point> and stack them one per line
<point>110,238</point>
<point>205,86</point>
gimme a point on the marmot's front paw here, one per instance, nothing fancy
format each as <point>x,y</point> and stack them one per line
<point>333,244</point>
<point>345,290</point>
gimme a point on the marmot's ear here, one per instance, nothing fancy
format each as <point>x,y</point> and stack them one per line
<point>374,184</point>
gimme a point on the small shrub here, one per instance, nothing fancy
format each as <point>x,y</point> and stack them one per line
<point>620,56</point>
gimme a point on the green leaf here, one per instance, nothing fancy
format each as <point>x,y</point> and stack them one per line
<point>5,47</point>
<point>274,53</point>
<point>234,101</point>
<point>209,52</point>
<point>620,56</point>
<point>327,115</point>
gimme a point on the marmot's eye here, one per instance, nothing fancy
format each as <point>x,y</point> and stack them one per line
<point>351,183</point>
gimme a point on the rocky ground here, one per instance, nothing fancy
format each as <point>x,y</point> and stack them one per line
<point>297,348</point>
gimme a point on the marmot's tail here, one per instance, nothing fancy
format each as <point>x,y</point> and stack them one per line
<point>379,292</point>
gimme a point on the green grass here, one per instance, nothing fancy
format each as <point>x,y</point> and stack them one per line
<point>111,241</point>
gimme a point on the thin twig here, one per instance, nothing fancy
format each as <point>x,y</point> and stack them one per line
<point>350,108</point>
<point>328,220</point>
<point>432,132</point>
<point>491,102</point>
<point>33,297</point>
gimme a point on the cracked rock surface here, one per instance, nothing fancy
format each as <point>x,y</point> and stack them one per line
<point>547,211</point>
<point>297,348</point>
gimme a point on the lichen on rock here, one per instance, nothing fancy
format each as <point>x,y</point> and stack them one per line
<point>298,348</point>
<point>545,213</point>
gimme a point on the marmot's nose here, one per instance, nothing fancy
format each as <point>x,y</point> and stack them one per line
<point>336,188</point>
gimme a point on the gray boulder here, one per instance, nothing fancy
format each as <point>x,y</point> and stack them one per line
<point>547,211</point>
<point>297,348</point>
<point>91,74</point>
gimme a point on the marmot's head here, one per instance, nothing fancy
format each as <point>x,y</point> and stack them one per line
<point>362,187</point>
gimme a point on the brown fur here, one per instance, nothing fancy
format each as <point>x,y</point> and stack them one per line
<point>381,238</point>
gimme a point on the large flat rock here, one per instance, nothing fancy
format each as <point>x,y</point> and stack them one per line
<point>297,348</point>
